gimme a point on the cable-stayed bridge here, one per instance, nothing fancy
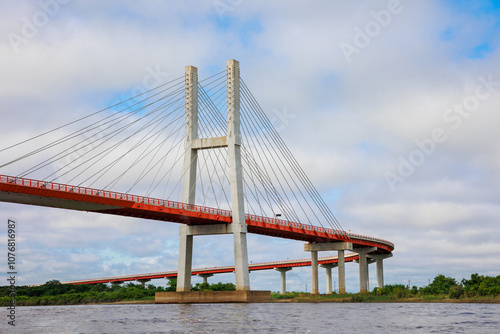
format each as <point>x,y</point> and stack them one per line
<point>204,154</point>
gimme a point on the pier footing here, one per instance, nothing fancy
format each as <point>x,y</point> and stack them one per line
<point>195,297</point>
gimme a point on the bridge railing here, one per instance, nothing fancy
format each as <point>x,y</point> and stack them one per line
<point>310,227</point>
<point>111,194</point>
<point>288,223</point>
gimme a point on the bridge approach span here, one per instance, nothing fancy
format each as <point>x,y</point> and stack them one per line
<point>216,270</point>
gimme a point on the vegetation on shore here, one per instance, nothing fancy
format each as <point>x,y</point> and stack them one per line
<point>479,288</point>
<point>55,293</point>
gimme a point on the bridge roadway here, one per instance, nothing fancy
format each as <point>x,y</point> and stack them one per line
<point>206,272</point>
<point>56,195</point>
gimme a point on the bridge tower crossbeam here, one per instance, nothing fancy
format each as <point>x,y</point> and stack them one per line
<point>233,143</point>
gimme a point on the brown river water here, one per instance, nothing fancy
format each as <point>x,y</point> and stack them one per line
<point>257,318</point>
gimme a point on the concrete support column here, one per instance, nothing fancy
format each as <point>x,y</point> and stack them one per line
<point>143,282</point>
<point>205,277</point>
<point>368,262</point>
<point>314,271</point>
<point>379,259</point>
<point>236,176</point>
<point>328,267</point>
<point>380,273</point>
<point>341,264</point>
<point>283,278</point>
<point>363,271</point>
<point>363,267</point>
<point>328,246</point>
<point>368,275</point>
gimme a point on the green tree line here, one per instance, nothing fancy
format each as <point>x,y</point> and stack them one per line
<point>476,286</point>
<point>55,293</point>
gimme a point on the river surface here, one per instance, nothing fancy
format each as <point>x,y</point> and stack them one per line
<point>258,318</point>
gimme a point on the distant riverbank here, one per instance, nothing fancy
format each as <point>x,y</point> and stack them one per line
<point>371,298</point>
<point>477,289</point>
<point>335,298</point>
<point>350,298</point>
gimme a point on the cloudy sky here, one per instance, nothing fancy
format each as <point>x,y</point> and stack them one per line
<point>391,107</point>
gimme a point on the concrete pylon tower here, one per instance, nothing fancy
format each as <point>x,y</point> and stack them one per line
<point>233,143</point>
<point>189,181</point>
<point>236,176</point>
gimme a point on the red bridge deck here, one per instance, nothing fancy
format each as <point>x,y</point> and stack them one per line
<point>49,194</point>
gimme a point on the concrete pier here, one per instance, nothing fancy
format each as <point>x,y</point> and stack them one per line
<point>314,271</point>
<point>205,277</point>
<point>363,267</point>
<point>341,265</point>
<point>363,273</point>
<point>379,259</point>
<point>192,297</point>
<point>328,267</point>
<point>143,282</point>
<point>283,271</point>
<point>328,246</point>
<point>365,258</point>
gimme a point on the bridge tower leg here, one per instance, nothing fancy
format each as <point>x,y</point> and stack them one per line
<point>189,180</point>
<point>236,176</point>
